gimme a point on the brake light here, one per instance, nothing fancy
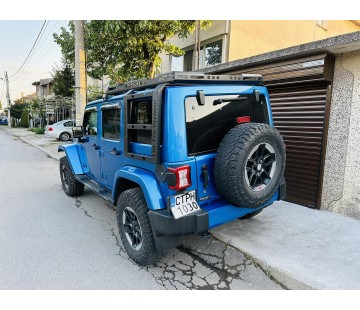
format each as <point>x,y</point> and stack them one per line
<point>50,129</point>
<point>179,178</point>
<point>243,119</point>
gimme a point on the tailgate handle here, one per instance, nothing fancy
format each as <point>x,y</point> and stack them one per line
<point>205,174</point>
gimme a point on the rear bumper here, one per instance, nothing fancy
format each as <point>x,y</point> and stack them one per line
<point>210,216</point>
<point>164,224</point>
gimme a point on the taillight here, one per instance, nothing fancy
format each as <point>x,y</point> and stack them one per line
<point>243,119</point>
<point>50,129</point>
<point>179,178</point>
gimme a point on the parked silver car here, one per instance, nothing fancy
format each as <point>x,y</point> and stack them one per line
<point>61,130</point>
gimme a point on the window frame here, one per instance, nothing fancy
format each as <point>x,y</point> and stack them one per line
<point>108,107</point>
<point>91,110</point>
<point>203,52</point>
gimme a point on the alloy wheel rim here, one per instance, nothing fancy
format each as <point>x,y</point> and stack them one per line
<point>65,137</point>
<point>132,228</point>
<point>260,167</point>
<point>65,178</point>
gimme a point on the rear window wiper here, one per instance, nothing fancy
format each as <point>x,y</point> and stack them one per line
<point>221,100</point>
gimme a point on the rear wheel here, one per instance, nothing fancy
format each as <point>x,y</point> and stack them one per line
<point>70,185</point>
<point>134,227</point>
<point>65,136</point>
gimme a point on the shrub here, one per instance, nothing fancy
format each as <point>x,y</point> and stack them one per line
<point>38,130</point>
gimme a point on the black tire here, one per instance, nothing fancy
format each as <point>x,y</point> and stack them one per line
<point>135,228</point>
<point>249,164</point>
<point>250,215</point>
<point>64,136</point>
<point>70,185</point>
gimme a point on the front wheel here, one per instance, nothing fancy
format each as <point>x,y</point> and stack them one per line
<point>71,186</point>
<point>135,228</point>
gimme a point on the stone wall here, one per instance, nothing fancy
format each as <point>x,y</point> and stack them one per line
<point>341,185</point>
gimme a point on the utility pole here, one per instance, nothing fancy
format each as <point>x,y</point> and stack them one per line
<point>197,46</point>
<point>80,72</point>
<point>8,98</point>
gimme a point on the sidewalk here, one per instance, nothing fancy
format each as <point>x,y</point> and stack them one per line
<point>299,247</point>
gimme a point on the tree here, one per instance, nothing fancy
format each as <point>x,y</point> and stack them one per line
<point>17,109</point>
<point>63,79</point>
<point>0,106</point>
<point>126,49</point>
<point>24,122</point>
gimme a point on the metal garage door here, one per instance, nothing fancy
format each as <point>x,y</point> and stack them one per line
<point>300,99</point>
<point>299,115</point>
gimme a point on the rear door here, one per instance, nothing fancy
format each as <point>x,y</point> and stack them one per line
<point>112,146</point>
<point>206,126</point>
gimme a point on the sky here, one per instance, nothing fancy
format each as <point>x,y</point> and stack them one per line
<point>21,21</point>
<point>16,41</point>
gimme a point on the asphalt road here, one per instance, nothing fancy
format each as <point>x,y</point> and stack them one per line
<point>51,241</point>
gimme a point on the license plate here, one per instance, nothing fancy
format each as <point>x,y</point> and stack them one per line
<point>183,204</point>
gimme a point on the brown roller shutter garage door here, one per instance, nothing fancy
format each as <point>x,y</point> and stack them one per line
<point>299,92</point>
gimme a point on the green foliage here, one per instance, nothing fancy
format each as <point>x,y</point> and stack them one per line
<point>94,93</point>
<point>17,109</point>
<point>64,80</point>
<point>39,130</point>
<point>126,49</point>
<point>0,106</point>
<point>24,122</point>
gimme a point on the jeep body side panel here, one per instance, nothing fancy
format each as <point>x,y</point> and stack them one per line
<point>147,182</point>
<point>76,156</point>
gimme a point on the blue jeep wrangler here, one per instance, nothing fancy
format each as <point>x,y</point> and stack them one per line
<point>177,155</point>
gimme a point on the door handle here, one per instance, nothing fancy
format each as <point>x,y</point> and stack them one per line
<point>114,151</point>
<point>96,147</point>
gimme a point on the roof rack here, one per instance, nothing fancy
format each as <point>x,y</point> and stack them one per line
<point>180,77</point>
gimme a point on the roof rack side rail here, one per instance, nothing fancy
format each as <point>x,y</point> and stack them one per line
<point>177,76</point>
<point>249,76</point>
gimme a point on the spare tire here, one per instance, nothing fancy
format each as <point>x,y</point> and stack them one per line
<point>249,164</point>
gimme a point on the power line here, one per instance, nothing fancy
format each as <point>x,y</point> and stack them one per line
<point>37,52</point>
<point>42,27</point>
<point>45,46</point>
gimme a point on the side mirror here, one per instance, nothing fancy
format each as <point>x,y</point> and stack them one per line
<point>77,132</point>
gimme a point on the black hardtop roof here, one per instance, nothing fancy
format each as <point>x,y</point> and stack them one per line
<point>189,78</point>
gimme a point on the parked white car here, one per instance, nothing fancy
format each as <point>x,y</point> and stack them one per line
<point>61,130</point>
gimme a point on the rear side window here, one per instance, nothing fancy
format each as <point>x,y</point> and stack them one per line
<point>90,123</point>
<point>140,121</point>
<point>207,125</point>
<point>111,124</point>
<point>69,124</point>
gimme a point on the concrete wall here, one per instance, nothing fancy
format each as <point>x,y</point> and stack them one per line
<point>341,187</point>
<point>246,38</point>
<point>254,37</point>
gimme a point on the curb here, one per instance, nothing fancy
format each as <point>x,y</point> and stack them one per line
<point>40,148</point>
<point>33,144</point>
<point>280,276</point>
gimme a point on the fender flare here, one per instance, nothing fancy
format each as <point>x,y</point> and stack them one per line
<point>148,183</point>
<point>76,157</point>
